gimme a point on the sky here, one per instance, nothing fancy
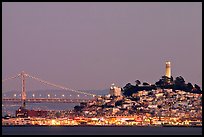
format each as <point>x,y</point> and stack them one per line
<point>92,45</point>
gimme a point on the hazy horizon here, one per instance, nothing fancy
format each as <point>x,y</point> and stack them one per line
<point>92,45</point>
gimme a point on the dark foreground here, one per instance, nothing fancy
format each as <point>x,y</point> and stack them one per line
<point>83,130</point>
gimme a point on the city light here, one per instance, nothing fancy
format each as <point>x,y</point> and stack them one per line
<point>162,106</point>
<point>53,122</point>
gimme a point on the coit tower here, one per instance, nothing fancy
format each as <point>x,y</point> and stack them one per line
<point>168,69</point>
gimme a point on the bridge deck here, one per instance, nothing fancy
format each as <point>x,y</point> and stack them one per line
<point>49,100</point>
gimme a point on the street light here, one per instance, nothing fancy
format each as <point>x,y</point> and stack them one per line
<point>14,95</point>
<point>48,95</point>
<point>78,95</point>
<point>33,95</point>
<point>63,95</point>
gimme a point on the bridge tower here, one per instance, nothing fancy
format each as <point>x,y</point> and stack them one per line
<point>23,92</point>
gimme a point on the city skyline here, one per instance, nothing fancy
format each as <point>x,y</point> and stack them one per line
<point>92,45</point>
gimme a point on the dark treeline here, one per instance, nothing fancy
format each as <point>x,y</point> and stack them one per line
<point>164,83</point>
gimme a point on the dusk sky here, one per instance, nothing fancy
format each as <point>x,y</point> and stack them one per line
<point>92,45</point>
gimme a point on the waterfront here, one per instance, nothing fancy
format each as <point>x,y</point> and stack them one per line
<point>100,130</point>
<point>136,105</point>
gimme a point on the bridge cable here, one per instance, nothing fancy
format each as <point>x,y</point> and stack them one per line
<point>59,86</point>
<point>11,78</point>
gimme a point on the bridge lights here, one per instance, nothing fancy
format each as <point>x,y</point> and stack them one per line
<point>33,95</point>
<point>14,95</point>
<point>63,95</point>
<point>48,95</point>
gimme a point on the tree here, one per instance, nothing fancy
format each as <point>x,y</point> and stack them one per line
<point>129,89</point>
<point>77,108</point>
<point>190,86</point>
<point>166,80</point>
<point>145,83</point>
<point>172,79</point>
<point>118,103</point>
<point>127,86</point>
<point>163,81</point>
<point>137,82</point>
<point>179,80</point>
<point>198,90</point>
<point>197,87</point>
<point>159,83</point>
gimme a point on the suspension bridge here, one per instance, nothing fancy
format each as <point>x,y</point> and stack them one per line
<point>25,100</point>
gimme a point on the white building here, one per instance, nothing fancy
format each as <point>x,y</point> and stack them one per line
<point>115,91</point>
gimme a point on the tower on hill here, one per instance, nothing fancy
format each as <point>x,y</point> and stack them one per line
<point>168,69</point>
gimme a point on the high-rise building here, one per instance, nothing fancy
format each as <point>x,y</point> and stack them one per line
<point>168,69</point>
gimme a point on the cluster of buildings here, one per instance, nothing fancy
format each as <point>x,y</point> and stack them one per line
<point>157,107</point>
<point>153,107</point>
<point>160,105</point>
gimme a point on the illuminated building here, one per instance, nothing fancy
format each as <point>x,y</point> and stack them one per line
<point>22,112</point>
<point>115,91</point>
<point>168,69</point>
